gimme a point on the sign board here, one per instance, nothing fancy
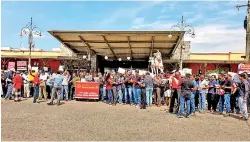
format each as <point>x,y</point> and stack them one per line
<point>121,70</point>
<point>87,90</point>
<point>34,69</point>
<point>61,68</point>
<point>11,65</point>
<point>21,65</point>
<point>244,68</point>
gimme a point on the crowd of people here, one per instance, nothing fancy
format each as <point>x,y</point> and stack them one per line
<point>191,93</point>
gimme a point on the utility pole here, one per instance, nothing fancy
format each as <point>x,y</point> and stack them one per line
<point>247,28</point>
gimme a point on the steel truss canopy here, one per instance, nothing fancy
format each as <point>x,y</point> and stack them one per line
<point>121,44</point>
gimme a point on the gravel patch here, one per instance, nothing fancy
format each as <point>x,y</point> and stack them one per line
<point>78,121</point>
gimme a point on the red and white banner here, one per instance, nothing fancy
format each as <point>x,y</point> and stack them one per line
<point>21,63</point>
<point>87,90</point>
<point>11,65</point>
<point>244,68</point>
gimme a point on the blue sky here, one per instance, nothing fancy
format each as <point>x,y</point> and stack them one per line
<point>218,25</point>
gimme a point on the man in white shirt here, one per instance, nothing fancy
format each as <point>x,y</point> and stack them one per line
<point>42,87</point>
<point>65,83</point>
<point>203,89</point>
<point>26,85</point>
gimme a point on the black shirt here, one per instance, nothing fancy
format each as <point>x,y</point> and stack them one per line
<point>228,83</point>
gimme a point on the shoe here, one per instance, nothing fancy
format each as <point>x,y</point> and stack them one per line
<point>188,116</point>
<point>180,116</point>
<point>192,114</point>
<point>226,115</point>
<point>245,119</point>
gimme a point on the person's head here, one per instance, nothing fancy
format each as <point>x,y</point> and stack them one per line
<point>188,75</point>
<point>147,73</point>
<point>58,72</point>
<point>108,76</point>
<point>246,74</point>
<point>242,76</point>
<point>228,77</point>
<point>74,74</point>
<point>220,76</point>
<point>197,77</point>
<point>177,74</point>
<point>17,73</point>
<point>136,73</point>
<point>202,77</point>
<point>213,77</point>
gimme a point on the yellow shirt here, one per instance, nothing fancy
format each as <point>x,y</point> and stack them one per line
<point>31,78</point>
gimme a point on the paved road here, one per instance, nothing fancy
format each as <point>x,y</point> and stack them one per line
<point>98,121</point>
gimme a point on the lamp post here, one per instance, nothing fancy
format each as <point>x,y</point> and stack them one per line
<point>30,30</point>
<point>247,28</point>
<point>182,26</point>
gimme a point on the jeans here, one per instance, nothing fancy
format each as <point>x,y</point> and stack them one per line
<point>36,93</point>
<point>9,91</point>
<point>239,104</point>
<point>128,93</point>
<point>72,93</point>
<point>109,94</point>
<point>149,95</point>
<point>101,94</point>
<point>134,95</point>
<point>192,102</point>
<point>65,88</point>
<point>120,95</point>
<point>244,108</point>
<point>202,102</point>
<point>137,96</point>
<point>226,103</point>
<point>56,91</point>
<point>114,96</point>
<point>184,100</point>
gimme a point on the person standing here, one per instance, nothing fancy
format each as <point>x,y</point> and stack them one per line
<point>149,88</point>
<point>211,97</point>
<point>65,84</point>
<point>119,88</point>
<point>26,85</point>
<point>9,84</point>
<point>243,98</point>
<point>57,88</point>
<point>42,86</point>
<point>36,83</point>
<point>157,94</point>
<point>17,86</point>
<point>176,89</point>
<point>187,87</point>
<point>227,87</point>
<point>143,93</point>
<point>108,80</point>
<point>128,90</point>
<point>114,88</point>
<point>137,87</point>
<point>31,76</point>
<point>203,88</point>
<point>73,82</point>
<point>192,97</point>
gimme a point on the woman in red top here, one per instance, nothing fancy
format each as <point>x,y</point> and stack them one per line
<point>108,88</point>
<point>17,86</point>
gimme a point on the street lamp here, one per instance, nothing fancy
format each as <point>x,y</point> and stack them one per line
<point>30,30</point>
<point>182,26</point>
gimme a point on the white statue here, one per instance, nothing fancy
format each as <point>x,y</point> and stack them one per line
<point>158,62</point>
<point>152,64</point>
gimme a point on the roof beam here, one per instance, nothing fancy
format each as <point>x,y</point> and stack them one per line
<point>97,41</point>
<point>122,48</point>
<point>108,45</point>
<point>88,46</point>
<point>177,44</point>
<point>152,47</point>
<point>130,47</point>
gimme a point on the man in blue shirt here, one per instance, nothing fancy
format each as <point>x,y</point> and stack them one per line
<point>9,79</point>
<point>192,97</point>
<point>56,90</point>
<point>211,98</point>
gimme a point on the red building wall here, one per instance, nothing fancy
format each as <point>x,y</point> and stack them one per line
<point>226,67</point>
